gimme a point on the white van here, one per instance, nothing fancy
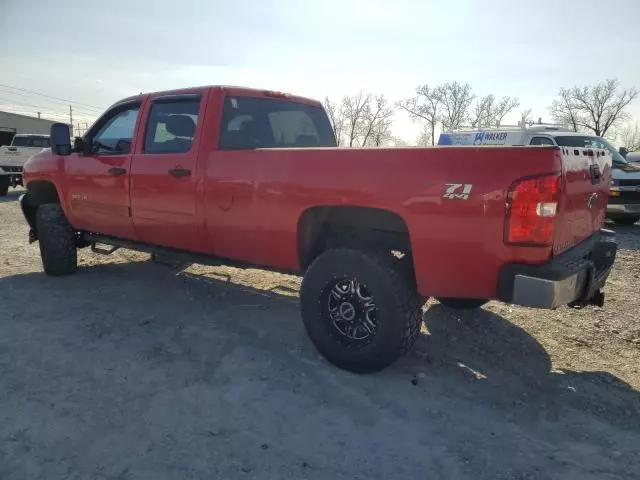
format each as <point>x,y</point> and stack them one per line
<point>624,200</point>
<point>533,135</point>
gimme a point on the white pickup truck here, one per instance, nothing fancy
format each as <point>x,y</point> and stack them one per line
<point>13,157</point>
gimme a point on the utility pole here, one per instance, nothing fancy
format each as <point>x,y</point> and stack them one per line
<point>71,119</point>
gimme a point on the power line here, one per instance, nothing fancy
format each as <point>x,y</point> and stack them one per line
<point>21,104</point>
<point>51,96</point>
<point>87,110</point>
<point>20,109</point>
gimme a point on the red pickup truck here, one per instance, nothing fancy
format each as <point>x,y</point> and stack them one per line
<point>253,178</point>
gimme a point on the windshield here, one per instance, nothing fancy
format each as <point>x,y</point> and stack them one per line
<point>590,142</point>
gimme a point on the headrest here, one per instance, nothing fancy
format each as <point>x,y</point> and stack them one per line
<point>180,125</point>
<point>306,140</point>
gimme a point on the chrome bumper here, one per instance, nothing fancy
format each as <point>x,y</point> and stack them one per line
<point>543,293</point>
<point>574,277</point>
<point>624,208</point>
<point>623,200</point>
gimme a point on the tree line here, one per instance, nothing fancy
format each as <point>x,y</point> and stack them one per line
<point>365,119</point>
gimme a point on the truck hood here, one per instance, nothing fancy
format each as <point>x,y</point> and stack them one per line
<point>628,172</point>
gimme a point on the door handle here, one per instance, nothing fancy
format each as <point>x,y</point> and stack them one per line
<point>117,171</point>
<point>179,172</point>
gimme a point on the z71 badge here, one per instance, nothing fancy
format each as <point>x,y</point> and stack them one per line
<point>460,191</point>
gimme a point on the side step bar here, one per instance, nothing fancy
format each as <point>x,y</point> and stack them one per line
<point>103,251</point>
<point>183,255</point>
<point>116,243</point>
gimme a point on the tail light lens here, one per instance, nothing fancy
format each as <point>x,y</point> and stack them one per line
<point>532,204</point>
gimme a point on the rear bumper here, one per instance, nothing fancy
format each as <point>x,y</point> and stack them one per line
<point>573,277</point>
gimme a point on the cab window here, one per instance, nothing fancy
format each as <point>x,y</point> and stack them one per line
<point>115,132</point>
<point>172,126</point>
<point>273,123</point>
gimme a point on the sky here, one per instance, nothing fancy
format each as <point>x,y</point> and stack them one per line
<point>96,52</point>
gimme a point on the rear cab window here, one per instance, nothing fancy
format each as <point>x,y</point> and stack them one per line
<point>31,141</point>
<point>254,122</point>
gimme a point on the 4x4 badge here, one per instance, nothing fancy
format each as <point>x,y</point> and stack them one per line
<point>459,191</point>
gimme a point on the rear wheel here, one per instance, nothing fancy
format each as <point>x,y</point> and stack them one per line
<point>626,220</point>
<point>462,303</point>
<point>57,240</point>
<point>359,310</point>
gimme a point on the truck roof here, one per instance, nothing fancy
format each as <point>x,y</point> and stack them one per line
<point>39,135</point>
<point>229,90</point>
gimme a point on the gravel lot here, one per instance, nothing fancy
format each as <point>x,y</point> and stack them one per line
<point>134,370</point>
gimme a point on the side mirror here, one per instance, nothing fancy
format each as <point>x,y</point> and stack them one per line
<point>60,139</point>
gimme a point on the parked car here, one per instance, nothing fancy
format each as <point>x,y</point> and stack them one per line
<point>13,157</point>
<point>252,177</point>
<point>624,200</point>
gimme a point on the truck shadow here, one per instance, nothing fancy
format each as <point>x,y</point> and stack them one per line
<point>497,357</point>
<point>475,355</point>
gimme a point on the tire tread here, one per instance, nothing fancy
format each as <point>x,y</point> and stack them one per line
<point>57,240</point>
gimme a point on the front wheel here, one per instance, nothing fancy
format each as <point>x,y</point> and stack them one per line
<point>462,303</point>
<point>57,240</point>
<point>359,310</point>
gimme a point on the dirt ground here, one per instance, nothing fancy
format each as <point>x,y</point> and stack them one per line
<point>134,370</point>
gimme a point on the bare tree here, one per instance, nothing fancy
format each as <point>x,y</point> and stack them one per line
<point>376,122</point>
<point>597,108</point>
<point>425,138</point>
<point>382,135</point>
<point>505,106</point>
<point>629,137</point>
<point>488,112</point>
<point>456,100</point>
<point>525,118</point>
<point>355,110</point>
<point>564,111</point>
<point>425,106</point>
<point>481,111</point>
<point>336,118</point>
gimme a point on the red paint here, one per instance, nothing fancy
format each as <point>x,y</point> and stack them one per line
<point>246,204</point>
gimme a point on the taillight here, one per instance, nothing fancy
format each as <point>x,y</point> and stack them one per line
<point>532,204</point>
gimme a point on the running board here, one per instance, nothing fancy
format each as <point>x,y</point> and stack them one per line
<point>103,251</point>
<point>185,256</point>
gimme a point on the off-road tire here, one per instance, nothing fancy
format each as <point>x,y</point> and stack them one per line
<point>462,303</point>
<point>626,220</point>
<point>397,302</point>
<point>57,240</point>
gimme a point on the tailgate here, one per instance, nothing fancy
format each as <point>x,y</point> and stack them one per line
<point>16,156</point>
<point>586,179</point>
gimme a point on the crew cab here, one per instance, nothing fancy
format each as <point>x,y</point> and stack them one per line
<point>14,156</point>
<point>251,177</point>
<point>624,196</point>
